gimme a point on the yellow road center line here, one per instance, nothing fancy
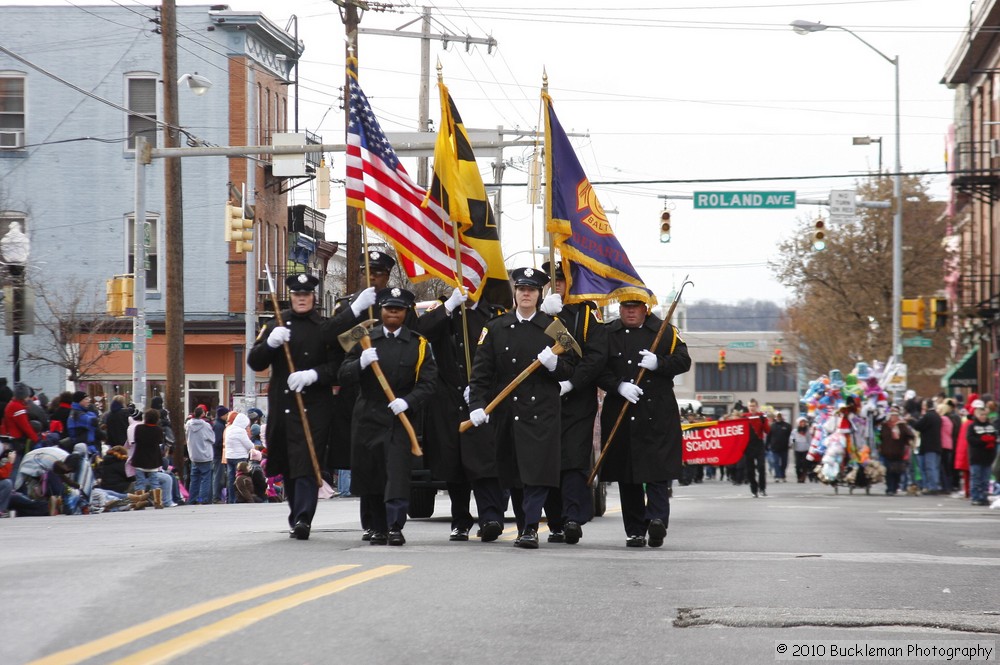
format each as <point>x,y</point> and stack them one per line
<point>166,651</point>
<point>114,640</point>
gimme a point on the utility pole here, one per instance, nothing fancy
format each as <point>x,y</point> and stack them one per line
<point>174,229</point>
<point>423,174</point>
<point>349,14</point>
<point>425,35</point>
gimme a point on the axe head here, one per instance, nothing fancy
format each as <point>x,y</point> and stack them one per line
<point>558,332</point>
<point>354,335</point>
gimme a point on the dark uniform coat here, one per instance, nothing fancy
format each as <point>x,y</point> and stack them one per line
<point>579,406</point>
<point>647,446</point>
<point>380,447</point>
<point>451,456</point>
<point>287,451</point>
<point>527,423</point>
<point>338,454</point>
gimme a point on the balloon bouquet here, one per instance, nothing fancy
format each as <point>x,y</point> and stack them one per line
<point>844,412</point>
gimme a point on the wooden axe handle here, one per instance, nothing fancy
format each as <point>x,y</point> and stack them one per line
<point>518,380</point>
<point>414,446</point>
<point>303,416</point>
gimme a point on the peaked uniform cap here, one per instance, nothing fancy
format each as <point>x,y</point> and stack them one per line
<point>532,277</point>
<point>302,283</point>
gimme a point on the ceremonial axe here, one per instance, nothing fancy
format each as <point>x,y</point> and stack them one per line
<point>563,341</point>
<point>359,335</point>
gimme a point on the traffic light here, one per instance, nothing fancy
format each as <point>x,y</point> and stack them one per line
<point>239,229</point>
<point>914,314</point>
<point>777,359</point>
<point>939,313</point>
<point>819,236</point>
<point>120,295</point>
<point>665,226</point>
<point>722,359</point>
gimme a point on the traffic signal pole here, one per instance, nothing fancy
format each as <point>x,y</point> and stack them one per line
<point>142,159</point>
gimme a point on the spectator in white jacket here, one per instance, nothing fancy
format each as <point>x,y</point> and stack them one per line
<point>236,447</point>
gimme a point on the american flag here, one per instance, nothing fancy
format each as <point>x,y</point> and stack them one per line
<point>378,183</point>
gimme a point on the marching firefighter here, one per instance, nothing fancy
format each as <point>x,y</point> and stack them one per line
<point>644,456</point>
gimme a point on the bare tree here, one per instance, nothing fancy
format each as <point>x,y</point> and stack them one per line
<point>842,310</point>
<point>68,327</point>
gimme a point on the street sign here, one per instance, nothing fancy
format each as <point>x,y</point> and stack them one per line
<point>917,342</point>
<point>114,344</point>
<point>742,344</point>
<point>744,200</point>
<point>895,382</point>
<point>843,204</point>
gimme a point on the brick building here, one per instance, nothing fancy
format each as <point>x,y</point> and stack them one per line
<point>67,175</point>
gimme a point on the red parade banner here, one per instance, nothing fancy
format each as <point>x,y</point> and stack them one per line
<point>716,443</point>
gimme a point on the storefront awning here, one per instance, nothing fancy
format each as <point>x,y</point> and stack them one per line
<point>965,374</point>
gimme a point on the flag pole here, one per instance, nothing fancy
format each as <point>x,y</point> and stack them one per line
<point>448,124</point>
<point>548,180</point>
<point>368,265</point>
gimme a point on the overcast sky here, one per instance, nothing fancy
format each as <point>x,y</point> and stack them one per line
<point>705,89</point>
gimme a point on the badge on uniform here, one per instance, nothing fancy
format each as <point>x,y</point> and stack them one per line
<point>482,336</point>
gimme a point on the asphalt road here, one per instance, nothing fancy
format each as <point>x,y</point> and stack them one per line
<point>736,578</point>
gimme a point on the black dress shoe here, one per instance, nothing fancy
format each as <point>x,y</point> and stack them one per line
<point>557,537</point>
<point>574,532</point>
<point>396,538</point>
<point>301,531</point>
<point>459,535</point>
<point>367,535</point>
<point>657,532</point>
<point>378,538</point>
<point>635,541</point>
<point>528,540</point>
<point>491,531</point>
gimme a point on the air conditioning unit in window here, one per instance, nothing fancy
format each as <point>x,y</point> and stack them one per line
<point>11,139</point>
<point>994,148</point>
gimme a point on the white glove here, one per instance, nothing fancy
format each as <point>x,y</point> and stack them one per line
<point>278,336</point>
<point>398,405</point>
<point>454,300</point>
<point>630,391</point>
<point>465,395</point>
<point>649,360</point>
<point>548,359</point>
<point>368,356</point>
<point>364,300</point>
<point>564,387</point>
<point>479,417</point>
<point>299,380</point>
<point>552,304</point>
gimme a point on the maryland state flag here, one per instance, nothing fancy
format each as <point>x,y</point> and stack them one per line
<point>594,262</point>
<point>458,188</point>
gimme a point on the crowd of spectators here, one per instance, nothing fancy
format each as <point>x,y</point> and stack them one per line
<point>66,456</point>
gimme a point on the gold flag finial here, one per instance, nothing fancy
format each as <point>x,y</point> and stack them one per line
<point>545,80</point>
<point>440,69</point>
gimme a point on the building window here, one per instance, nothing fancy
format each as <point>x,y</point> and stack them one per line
<point>11,111</point>
<point>8,216</point>
<point>152,250</point>
<point>736,376</point>
<point>781,378</point>
<point>141,99</point>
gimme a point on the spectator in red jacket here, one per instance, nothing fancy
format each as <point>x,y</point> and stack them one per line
<point>16,423</point>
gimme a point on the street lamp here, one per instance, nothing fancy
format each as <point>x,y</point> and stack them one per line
<point>867,140</point>
<point>542,251</point>
<point>14,248</point>
<point>804,28</point>
<point>199,84</point>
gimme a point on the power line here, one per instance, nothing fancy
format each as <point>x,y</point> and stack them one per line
<point>755,179</point>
